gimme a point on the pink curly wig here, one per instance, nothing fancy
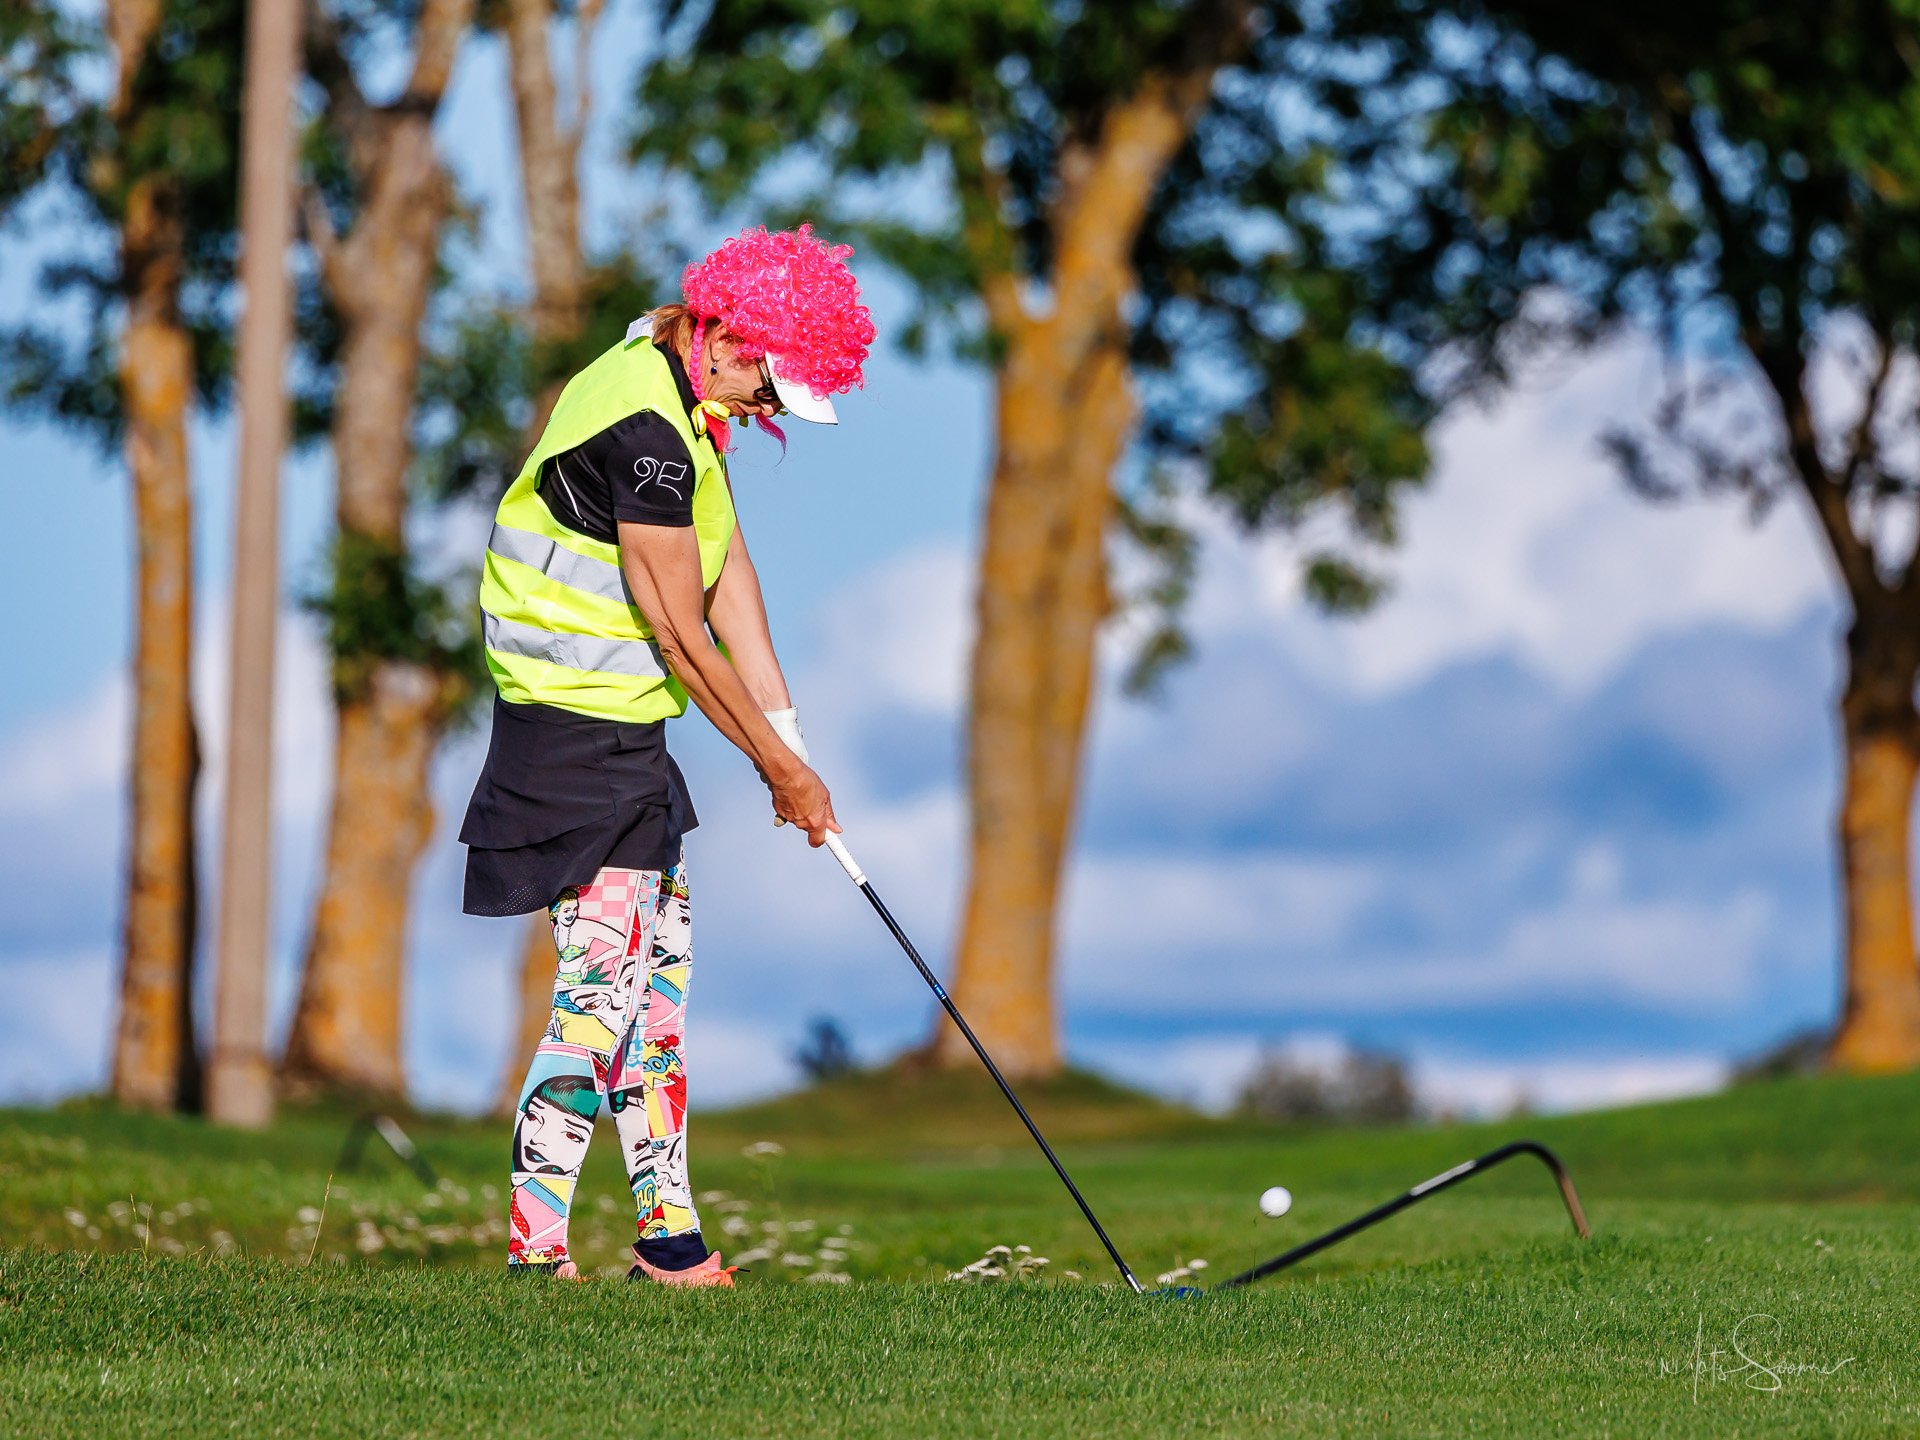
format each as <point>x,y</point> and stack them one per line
<point>789,294</point>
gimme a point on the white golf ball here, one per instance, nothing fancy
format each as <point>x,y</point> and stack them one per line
<point>1276,1202</point>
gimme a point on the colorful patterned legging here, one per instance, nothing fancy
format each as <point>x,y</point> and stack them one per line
<point>619,1008</point>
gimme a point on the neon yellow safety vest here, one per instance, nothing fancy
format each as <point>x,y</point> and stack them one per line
<point>560,625</point>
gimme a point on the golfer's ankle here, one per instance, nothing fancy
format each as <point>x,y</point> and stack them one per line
<point>672,1252</point>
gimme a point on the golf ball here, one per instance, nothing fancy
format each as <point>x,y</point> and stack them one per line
<point>1276,1202</point>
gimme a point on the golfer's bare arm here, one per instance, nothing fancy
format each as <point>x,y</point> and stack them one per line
<point>662,567</point>
<point>738,615</point>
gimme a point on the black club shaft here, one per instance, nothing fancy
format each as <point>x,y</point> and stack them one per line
<point>953,1011</point>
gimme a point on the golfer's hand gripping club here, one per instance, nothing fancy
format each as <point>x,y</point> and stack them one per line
<point>786,724</point>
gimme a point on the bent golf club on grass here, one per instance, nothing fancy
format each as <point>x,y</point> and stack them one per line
<point>1445,1180</point>
<point>859,878</point>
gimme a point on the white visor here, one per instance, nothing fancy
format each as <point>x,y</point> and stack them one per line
<point>798,399</point>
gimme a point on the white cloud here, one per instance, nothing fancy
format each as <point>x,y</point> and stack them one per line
<point>68,758</point>
<point>1495,1087</point>
<point>898,635</point>
<point>1180,906</point>
<point>302,721</point>
<point>56,1025</point>
<point>1207,1072</point>
<point>1273,932</point>
<point>77,756</point>
<point>1204,1071</point>
<point>738,1061</point>
<point>1526,542</point>
<point>1679,956</point>
<point>65,772</point>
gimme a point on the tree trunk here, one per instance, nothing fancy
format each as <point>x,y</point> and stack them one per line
<point>550,193</point>
<point>1063,419</point>
<point>347,1026</point>
<point>1879,1028</point>
<point>155,1065</point>
<point>549,183</point>
<point>347,1030</point>
<point>1042,596</point>
<point>533,1004</point>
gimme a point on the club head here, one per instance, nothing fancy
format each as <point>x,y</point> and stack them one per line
<point>1176,1292</point>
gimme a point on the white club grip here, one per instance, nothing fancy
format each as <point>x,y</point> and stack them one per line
<point>845,857</point>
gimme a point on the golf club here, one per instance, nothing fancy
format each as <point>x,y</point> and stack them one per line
<point>398,1141</point>
<point>859,878</point>
<point>1426,1188</point>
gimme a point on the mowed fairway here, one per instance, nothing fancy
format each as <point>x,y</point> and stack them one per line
<point>157,1279</point>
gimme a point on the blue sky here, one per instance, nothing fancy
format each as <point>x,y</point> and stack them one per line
<point>1554,821</point>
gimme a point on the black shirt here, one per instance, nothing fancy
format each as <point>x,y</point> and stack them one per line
<point>636,469</point>
<point>563,795</point>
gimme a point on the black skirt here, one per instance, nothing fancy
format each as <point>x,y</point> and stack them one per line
<point>561,796</point>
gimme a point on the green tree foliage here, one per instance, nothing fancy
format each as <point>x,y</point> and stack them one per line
<point>377,608</point>
<point>41,49</point>
<point>57,132</point>
<point>480,376</point>
<point>941,137</point>
<point>1734,177</point>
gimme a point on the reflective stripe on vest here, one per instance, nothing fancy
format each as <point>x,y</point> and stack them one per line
<point>559,564</point>
<point>573,652</point>
<point>560,625</point>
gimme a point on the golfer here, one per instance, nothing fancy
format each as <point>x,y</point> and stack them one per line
<point>615,564</point>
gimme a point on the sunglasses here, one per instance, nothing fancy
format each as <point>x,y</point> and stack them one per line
<point>766,394</point>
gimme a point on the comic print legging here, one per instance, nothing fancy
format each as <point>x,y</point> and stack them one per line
<point>619,1007</point>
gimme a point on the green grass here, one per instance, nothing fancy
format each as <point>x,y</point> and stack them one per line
<point>156,1278</point>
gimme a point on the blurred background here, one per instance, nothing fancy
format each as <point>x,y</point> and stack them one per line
<point>1483,453</point>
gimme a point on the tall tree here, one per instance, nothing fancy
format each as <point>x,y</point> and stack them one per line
<point>1131,242</point>
<point>1741,179</point>
<point>550,196</point>
<point>155,164</point>
<point>402,664</point>
<point>239,1081</point>
<point>550,180</point>
<point>489,382</point>
<point>491,378</point>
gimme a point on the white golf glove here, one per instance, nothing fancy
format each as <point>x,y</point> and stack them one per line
<point>786,724</point>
